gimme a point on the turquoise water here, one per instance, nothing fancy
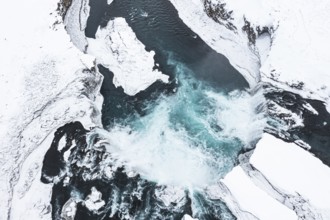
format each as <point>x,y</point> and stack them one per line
<point>190,138</point>
<point>187,133</point>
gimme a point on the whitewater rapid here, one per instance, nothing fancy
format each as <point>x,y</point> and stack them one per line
<point>191,138</point>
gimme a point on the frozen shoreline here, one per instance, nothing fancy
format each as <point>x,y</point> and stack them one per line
<point>45,82</point>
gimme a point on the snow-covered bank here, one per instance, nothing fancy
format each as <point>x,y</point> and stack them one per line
<point>117,48</point>
<point>283,42</point>
<point>298,55</point>
<point>45,82</point>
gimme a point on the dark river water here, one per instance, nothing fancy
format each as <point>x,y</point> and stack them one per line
<point>187,133</point>
<point>316,129</point>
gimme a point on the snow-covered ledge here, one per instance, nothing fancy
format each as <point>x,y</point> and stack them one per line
<point>45,82</point>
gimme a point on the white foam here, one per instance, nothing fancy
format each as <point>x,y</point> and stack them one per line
<point>161,149</point>
<point>237,115</point>
<point>160,153</point>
